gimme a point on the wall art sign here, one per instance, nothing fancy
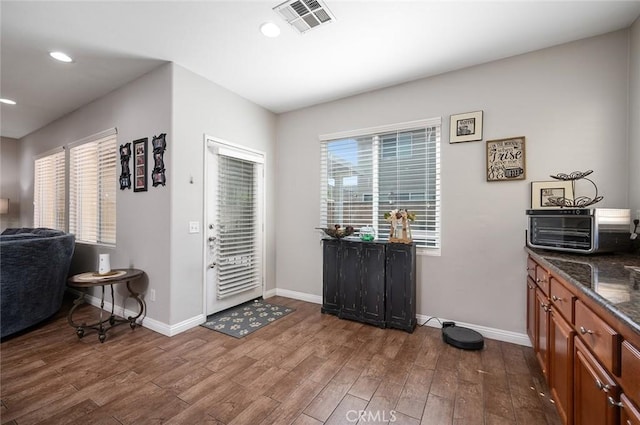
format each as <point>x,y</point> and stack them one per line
<point>506,159</point>
<point>125,175</point>
<point>140,165</point>
<point>466,127</point>
<point>544,194</point>
<point>159,144</point>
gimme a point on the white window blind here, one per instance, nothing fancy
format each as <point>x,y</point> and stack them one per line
<point>364,176</point>
<point>92,190</point>
<point>239,239</point>
<point>49,195</point>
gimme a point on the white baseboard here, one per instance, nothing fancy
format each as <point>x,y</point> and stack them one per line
<point>316,299</point>
<point>147,322</point>
<point>171,330</point>
<point>497,334</point>
<point>492,333</point>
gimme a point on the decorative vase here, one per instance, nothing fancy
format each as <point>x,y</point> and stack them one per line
<point>367,233</point>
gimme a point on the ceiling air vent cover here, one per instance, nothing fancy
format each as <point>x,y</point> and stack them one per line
<point>305,15</point>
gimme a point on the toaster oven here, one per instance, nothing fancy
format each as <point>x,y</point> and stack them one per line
<point>580,230</point>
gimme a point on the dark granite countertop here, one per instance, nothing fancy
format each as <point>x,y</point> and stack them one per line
<point>612,280</point>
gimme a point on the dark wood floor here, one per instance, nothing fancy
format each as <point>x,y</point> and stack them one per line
<point>306,368</point>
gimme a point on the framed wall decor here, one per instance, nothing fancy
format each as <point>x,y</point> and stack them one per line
<point>542,191</point>
<point>125,175</point>
<point>140,165</point>
<point>506,159</point>
<point>466,127</point>
<point>159,144</point>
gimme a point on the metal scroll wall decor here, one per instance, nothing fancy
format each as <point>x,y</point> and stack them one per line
<point>580,201</point>
<point>125,176</point>
<point>159,146</point>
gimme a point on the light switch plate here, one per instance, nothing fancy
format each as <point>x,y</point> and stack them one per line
<point>194,227</point>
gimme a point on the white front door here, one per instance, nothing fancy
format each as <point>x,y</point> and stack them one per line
<point>234,210</point>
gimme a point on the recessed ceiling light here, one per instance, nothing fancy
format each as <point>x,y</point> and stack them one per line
<point>62,57</point>
<point>269,29</point>
<point>8,101</point>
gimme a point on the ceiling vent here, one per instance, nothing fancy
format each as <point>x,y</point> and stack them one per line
<point>305,15</point>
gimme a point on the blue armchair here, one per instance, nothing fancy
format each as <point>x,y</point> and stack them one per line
<point>34,264</point>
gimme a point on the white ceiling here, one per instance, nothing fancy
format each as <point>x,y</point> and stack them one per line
<point>372,44</point>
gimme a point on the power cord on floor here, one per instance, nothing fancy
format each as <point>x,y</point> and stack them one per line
<point>431,318</point>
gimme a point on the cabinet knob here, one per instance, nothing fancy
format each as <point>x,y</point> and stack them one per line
<point>614,403</point>
<point>583,331</point>
<point>555,298</point>
<point>602,387</point>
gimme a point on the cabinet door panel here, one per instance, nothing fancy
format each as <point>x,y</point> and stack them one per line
<point>542,337</point>
<point>592,388</point>
<point>350,280</point>
<point>531,312</point>
<point>630,371</point>
<point>330,276</point>
<point>561,365</point>
<point>401,286</point>
<point>629,414</point>
<point>373,276</point>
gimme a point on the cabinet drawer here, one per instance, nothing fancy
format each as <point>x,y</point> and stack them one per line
<point>531,268</point>
<point>562,299</point>
<point>630,371</point>
<point>598,336</point>
<point>629,414</point>
<point>542,279</point>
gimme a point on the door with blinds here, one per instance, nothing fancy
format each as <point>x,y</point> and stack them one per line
<point>234,228</point>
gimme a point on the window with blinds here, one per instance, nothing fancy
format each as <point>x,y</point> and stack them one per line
<point>238,218</point>
<point>368,173</point>
<point>49,195</point>
<point>92,190</point>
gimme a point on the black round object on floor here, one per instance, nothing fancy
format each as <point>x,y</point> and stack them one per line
<point>464,338</point>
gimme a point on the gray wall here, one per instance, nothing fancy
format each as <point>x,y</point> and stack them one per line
<point>634,120</point>
<point>9,181</point>
<point>152,226</point>
<point>202,107</point>
<point>139,109</point>
<point>571,104</point>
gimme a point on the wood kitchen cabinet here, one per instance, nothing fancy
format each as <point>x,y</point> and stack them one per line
<point>542,335</point>
<point>629,414</point>
<point>561,357</point>
<point>593,386</point>
<point>532,329</point>
<point>589,357</point>
<point>371,282</point>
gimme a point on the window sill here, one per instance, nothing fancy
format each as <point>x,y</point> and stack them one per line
<point>428,252</point>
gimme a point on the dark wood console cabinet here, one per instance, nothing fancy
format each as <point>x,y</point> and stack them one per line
<point>371,282</point>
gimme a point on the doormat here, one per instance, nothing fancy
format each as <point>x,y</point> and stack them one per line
<point>241,320</point>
